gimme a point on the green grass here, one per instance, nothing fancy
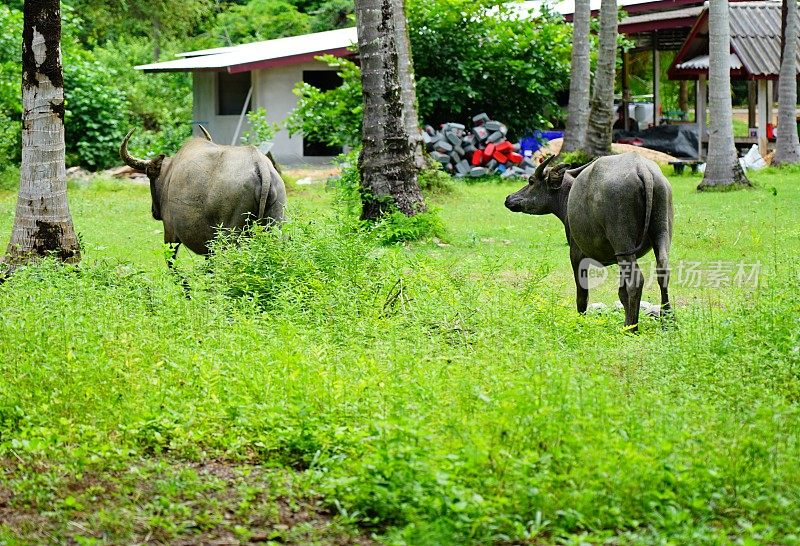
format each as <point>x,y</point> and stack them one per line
<point>318,388</point>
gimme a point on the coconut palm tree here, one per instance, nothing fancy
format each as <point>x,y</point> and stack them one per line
<point>578,108</point>
<point>408,86</point>
<point>787,146</point>
<point>601,114</point>
<point>386,163</point>
<point>722,163</point>
<point>42,224</point>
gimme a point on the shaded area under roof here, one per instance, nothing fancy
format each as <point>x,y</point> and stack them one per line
<point>755,40</point>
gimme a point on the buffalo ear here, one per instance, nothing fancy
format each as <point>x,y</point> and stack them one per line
<point>555,176</point>
<point>154,169</point>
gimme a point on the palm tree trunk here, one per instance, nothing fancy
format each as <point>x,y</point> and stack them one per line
<point>578,108</point>
<point>386,162</point>
<point>601,115</point>
<point>42,224</point>
<point>408,84</point>
<point>787,146</point>
<point>722,164</point>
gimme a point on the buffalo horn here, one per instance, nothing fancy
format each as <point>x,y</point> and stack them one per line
<point>542,165</point>
<point>136,163</point>
<point>206,133</point>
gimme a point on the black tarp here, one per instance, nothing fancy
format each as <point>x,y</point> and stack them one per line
<point>679,140</point>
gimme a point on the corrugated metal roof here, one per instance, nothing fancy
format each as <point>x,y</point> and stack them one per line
<point>238,58</point>
<point>701,63</point>
<point>755,40</point>
<point>756,36</point>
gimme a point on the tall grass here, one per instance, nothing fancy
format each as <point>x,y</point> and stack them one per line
<point>426,394</point>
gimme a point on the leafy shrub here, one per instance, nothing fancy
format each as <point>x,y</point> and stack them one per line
<point>331,117</point>
<point>434,180</point>
<point>333,14</point>
<point>10,89</point>
<point>260,20</point>
<point>95,112</point>
<point>575,159</point>
<point>396,227</point>
<point>261,130</point>
<point>498,61</point>
<point>301,267</point>
<point>159,106</point>
<point>9,178</point>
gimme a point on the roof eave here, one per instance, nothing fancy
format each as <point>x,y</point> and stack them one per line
<point>287,61</point>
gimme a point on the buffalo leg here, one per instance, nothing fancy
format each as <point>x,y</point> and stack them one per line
<point>631,282</point>
<point>661,249</point>
<point>582,290</point>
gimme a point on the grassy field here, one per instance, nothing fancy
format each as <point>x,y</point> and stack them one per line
<point>320,389</point>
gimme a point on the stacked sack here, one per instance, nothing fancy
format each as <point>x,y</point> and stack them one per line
<point>484,150</point>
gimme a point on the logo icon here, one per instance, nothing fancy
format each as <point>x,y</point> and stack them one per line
<point>591,273</point>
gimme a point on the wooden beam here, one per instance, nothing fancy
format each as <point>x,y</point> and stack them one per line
<point>656,79</point>
<point>751,104</point>
<point>763,117</point>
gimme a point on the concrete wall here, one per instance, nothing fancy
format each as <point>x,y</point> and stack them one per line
<point>272,89</point>
<point>221,128</point>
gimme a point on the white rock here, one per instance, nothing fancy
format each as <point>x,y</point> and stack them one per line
<point>597,307</point>
<point>654,310</point>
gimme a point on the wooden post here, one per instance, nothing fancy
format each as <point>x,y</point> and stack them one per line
<point>770,99</point>
<point>626,91</point>
<point>763,117</point>
<point>700,113</point>
<point>751,103</point>
<point>656,79</point>
<point>683,97</point>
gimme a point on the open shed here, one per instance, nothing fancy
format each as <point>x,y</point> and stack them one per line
<point>755,57</point>
<point>230,81</point>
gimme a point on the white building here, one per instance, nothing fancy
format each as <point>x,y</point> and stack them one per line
<point>230,81</point>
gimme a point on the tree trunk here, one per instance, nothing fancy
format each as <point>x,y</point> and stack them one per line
<point>578,108</point>
<point>601,115</point>
<point>722,163</point>
<point>787,146</point>
<point>386,163</point>
<point>42,225</point>
<point>408,85</point>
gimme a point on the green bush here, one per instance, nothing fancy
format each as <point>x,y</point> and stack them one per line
<point>260,20</point>
<point>434,180</point>
<point>331,117</point>
<point>9,178</point>
<point>95,112</point>
<point>10,85</point>
<point>471,57</point>
<point>299,267</point>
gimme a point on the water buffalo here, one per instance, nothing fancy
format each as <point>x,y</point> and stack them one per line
<point>614,210</point>
<point>207,186</point>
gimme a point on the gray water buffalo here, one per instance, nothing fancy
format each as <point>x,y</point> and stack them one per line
<point>207,186</point>
<point>614,210</point>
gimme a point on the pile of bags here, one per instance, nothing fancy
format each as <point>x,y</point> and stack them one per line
<point>482,151</point>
